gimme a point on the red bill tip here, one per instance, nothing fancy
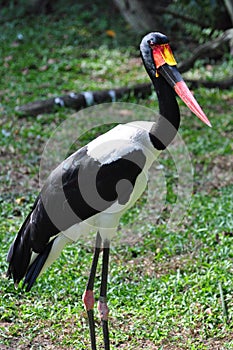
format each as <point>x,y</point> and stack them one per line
<point>185,94</point>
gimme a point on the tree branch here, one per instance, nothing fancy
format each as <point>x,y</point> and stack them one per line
<point>84,99</point>
<point>229,7</point>
<point>175,14</point>
<point>206,49</point>
<point>221,84</point>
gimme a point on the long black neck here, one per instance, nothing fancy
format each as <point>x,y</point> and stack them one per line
<point>164,131</point>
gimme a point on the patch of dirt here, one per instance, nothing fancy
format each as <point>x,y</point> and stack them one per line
<point>40,340</point>
<point>174,341</point>
<point>16,176</point>
<point>132,62</point>
<point>218,174</point>
<point>147,265</point>
<point>142,344</point>
<point>210,344</point>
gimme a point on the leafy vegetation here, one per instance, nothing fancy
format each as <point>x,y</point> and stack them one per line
<point>168,289</point>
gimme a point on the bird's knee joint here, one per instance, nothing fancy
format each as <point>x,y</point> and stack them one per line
<point>103,308</point>
<point>88,299</point>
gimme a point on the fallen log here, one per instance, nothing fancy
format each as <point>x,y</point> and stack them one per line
<point>81,100</point>
<point>86,99</point>
<point>221,84</point>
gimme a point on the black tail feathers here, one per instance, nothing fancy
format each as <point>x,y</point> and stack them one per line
<point>35,268</point>
<point>19,254</point>
<point>19,257</point>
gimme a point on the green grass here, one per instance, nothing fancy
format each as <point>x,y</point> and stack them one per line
<point>168,288</point>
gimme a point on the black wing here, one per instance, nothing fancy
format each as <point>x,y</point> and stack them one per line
<point>77,189</point>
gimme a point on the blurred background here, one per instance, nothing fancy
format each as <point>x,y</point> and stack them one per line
<point>168,290</point>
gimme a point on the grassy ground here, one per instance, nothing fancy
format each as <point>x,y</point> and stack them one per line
<point>168,288</point>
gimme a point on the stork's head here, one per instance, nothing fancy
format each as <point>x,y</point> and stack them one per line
<point>159,61</point>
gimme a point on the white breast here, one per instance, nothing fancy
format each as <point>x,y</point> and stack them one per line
<point>109,147</point>
<point>121,140</point>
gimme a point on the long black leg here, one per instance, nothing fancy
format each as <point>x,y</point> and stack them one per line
<point>102,304</point>
<point>88,296</point>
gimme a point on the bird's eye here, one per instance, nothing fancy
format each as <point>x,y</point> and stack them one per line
<point>151,43</point>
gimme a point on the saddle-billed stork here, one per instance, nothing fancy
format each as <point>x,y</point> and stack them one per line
<point>98,183</point>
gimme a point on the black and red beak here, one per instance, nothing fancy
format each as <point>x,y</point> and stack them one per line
<point>166,66</point>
